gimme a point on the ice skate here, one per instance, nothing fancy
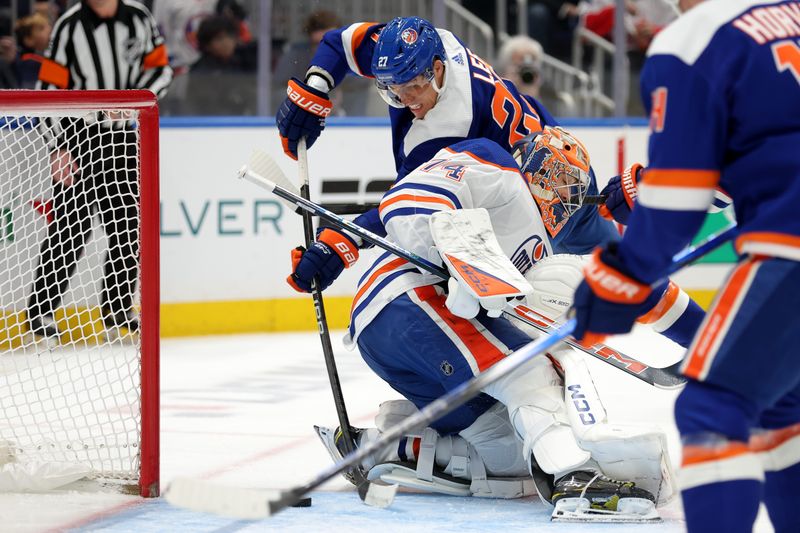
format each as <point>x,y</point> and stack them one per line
<point>585,496</point>
<point>334,444</point>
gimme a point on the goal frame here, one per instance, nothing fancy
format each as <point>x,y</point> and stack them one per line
<point>145,103</point>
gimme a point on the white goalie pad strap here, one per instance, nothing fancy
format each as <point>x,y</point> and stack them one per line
<point>460,464</point>
<point>554,280</point>
<point>468,246</point>
<point>427,454</point>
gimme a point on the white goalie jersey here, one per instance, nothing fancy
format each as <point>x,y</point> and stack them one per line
<point>470,174</point>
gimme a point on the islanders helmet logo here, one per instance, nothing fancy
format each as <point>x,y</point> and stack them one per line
<point>409,35</point>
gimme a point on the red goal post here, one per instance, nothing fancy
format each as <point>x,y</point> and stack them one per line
<point>91,395</point>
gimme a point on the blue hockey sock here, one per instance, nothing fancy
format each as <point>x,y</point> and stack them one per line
<point>729,506</point>
<point>780,495</point>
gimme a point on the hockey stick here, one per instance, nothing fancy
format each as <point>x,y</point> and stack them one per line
<point>253,504</point>
<point>370,493</point>
<point>357,209</point>
<point>657,377</point>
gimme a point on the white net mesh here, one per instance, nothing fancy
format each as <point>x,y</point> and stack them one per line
<point>69,258</point>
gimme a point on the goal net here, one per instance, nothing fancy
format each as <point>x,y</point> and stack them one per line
<point>79,288</point>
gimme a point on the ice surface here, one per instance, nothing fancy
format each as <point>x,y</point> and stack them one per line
<point>239,410</point>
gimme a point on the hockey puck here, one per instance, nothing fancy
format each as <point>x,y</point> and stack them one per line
<point>303,502</point>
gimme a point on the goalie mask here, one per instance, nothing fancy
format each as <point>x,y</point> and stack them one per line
<point>556,167</point>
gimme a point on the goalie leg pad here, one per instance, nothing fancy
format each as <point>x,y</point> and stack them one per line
<point>635,453</point>
<point>535,402</point>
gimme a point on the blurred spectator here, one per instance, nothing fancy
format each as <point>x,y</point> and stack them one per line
<point>50,9</point>
<point>352,94</point>
<point>520,61</point>
<point>552,23</point>
<point>33,35</point>
<point>178,21</point>
<point>234,10</point>
<point>8,51</point>
<point>221,82</point>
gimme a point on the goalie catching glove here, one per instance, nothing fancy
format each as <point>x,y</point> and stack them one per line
<point>325,259</point>
<point>303,113</point>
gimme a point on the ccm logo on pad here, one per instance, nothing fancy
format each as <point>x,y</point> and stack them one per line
<point>307,103</point>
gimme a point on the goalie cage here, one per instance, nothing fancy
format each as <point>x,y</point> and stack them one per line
<point>91,401</point>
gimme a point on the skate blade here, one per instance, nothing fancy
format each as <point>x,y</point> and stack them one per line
<point>629,510</point>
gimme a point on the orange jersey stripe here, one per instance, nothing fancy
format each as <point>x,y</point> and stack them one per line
<point>54,73</point>
<point>358,38</point>
<point>769,440</point>
<point>693,455</point>
<point>485,353</point>
<point>415,198</point>
<point>156,58</point>
<point>767,237</point>
<point>704,179</point>
<point>391,265</point>
<point>667,300</point>
<point>711,330</point>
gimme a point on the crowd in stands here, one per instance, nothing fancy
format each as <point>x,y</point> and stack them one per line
<point>213,50</point>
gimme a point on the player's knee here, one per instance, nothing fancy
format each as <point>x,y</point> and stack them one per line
<point>704,408</point>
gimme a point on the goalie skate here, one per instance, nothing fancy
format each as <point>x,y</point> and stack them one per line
<point>584,496</point>
<point>332,440</point>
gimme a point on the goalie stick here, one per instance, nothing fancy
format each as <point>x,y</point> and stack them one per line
<point>370,493</point>
<point>253,504</point>
<point>662,378</point>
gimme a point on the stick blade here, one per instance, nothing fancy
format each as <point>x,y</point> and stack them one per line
<point>264,165</point>
<point>208,497</point>
<point>376,495</point>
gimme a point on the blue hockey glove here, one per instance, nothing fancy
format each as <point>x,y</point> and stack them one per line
<point>326,258</point>
<point>302,114</point>
<point>609,300</point>
<point>620,193</point>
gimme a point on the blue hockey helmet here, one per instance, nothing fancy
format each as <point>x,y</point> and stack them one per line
<point>406,48</point>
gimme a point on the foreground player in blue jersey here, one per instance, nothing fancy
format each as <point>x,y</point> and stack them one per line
<point>439,92</point>
<point>722,85</point>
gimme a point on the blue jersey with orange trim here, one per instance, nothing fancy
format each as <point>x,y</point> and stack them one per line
<point>722,87</point>
<point>475,102</point>
<point>466,175</point>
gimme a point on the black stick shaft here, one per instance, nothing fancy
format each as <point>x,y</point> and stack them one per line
<point>319,308</point>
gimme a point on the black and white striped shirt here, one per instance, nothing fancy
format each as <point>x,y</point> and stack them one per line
<point>123,52</point>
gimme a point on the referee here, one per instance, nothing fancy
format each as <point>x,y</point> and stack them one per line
<point>96,44</point>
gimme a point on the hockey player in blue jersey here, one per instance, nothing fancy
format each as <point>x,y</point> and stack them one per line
<point>424,338</point>
<point>722,86</point>
<point>438,92</point>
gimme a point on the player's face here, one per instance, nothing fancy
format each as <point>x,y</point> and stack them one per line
<point>418,95</point>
